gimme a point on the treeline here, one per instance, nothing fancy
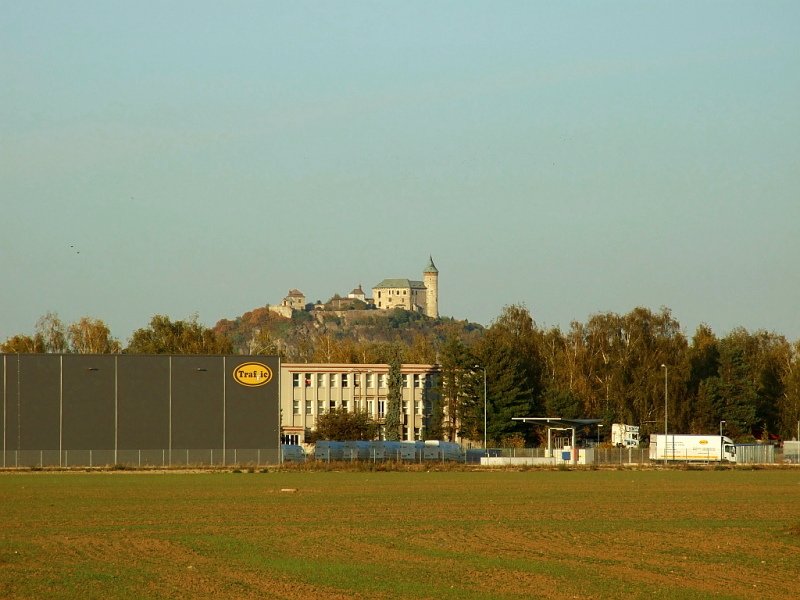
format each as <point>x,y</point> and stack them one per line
<point>615,367</point>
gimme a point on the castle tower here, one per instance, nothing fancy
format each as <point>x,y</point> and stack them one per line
<point>430,277</point>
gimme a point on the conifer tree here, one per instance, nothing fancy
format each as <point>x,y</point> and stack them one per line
<point>394,400</point>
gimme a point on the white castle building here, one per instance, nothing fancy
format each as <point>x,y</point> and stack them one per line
<point>420,296</point>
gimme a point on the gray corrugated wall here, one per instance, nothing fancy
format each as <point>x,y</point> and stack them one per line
<point>137,402</point>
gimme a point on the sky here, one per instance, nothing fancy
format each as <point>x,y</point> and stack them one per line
<point>202,158</point>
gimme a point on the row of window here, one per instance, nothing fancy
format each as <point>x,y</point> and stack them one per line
<point>367,405</point>
<point>334,380</point>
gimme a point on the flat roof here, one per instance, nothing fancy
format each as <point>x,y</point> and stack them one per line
<point>558,421</point>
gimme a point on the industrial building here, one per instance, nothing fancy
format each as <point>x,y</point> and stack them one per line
<point>167,410</point>
<point>84,409</point>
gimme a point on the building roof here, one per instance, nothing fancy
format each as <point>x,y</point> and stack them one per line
<point>558,421</point>
<point>431,268</point>
<point>293,293</point>
<point>399,283</point>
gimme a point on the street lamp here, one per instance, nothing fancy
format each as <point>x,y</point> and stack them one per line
<point>485,449</point>
<point>666,406</point>
<point>599,425</point>
<point>721,423</point>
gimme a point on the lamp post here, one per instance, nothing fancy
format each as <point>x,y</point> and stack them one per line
<point>485,448</point>
<point>721,423</point>
<point>666,407</point>
<point>599,425</point>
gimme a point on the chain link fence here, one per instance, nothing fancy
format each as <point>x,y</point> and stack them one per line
<point>165,458</point>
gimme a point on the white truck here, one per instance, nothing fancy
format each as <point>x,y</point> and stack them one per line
<point>624,436</point>
<point>692,448</point>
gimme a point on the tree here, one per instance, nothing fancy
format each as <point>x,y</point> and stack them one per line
<point>91,336</point>
<point>510,350</point>
<point>262,342</point>
<point>737,398</point>
<point>454,415</point>
<point>339,424</point>
<point>394,399</point>
<point>23,344</point>
<point>50,330</point>
<point>420,350</point>
<point>789,403</point>
<point>180,337</point>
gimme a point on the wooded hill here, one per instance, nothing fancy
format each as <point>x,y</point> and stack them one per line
<point>615,367</point>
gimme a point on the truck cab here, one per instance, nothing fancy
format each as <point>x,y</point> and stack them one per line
<point>728,450</point>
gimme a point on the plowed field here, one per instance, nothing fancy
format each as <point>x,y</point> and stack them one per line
<point>380,535</point>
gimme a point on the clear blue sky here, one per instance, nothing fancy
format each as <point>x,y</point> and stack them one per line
<point>577,157</point>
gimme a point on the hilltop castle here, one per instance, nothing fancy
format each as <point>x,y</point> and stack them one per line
<point>421,296</point>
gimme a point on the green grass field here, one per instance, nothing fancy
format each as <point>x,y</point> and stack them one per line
<point>461,535</point>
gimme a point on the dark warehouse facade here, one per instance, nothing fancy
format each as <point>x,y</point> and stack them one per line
<point>79,409</point>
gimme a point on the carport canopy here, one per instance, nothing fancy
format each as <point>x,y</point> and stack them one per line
<point>559,423</point>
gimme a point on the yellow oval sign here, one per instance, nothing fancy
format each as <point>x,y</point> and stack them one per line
<point>703,442</point>
<point>252,374</point>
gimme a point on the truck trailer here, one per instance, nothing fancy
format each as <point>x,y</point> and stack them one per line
<point>692,448</point>
<point>624,436</point>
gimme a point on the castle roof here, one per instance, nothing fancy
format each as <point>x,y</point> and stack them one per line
<point>399,283</point>
<point>431,268</point>
<point>294,293</point>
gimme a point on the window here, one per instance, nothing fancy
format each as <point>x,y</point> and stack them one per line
<point>370,406</point>
<point>296,407</point>
<point>417,383</point>
<point>308,407</point>
<point>344,405</point>
<point>382,380</point>
<point>295,379</point>
<point>416,407</point>
<point>321,407</point>
<point>334,380</point>
<point>345,380</point>
<point>370,380</point>
<point>406,381</point>
<point>405,407</point>
<point>332,405</point>
<point>320,380</point>
<point>381,408</point>
<point>307,379</point>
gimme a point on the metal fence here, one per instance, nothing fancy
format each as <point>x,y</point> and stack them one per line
<point>791,453</point>
<point>374,452</point>
<point>140,458</point>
